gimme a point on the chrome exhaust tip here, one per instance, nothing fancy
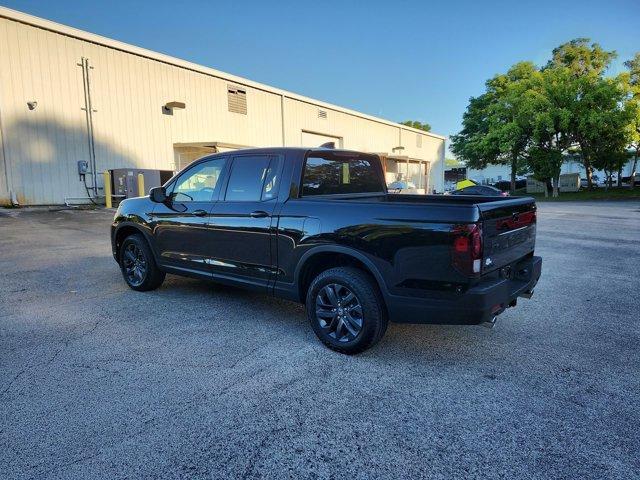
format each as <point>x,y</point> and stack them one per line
<point>490,323</point>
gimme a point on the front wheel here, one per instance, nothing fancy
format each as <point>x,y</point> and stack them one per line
<point>138,266</point>
<point>345,309</point>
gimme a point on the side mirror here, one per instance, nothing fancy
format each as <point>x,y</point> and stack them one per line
<point>158,194</point>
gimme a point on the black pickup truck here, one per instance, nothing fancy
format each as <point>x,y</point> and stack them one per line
<point>318,226</point>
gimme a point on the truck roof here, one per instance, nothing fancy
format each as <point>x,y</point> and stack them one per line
<point>263,150</point>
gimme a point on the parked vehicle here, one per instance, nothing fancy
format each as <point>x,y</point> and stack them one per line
<point>484,190</point>
<point>595,180</point>
<point>636,180</point>
<point>319,227</point>
<point>505,185</point>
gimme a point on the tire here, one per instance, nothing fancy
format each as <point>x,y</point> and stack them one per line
<point>138,266</point>
<point>335,318</point>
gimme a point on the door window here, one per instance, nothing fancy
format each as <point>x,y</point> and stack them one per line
<point>199,183</point>
<point>253,178</point>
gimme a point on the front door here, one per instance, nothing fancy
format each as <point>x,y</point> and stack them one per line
<point>183,238</point>
<point>241,222</point>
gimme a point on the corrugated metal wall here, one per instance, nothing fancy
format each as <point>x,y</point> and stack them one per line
<point>4,185</point>
<point>128,91</point>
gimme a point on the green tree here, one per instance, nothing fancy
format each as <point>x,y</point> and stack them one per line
<point>496,129</point>
<point>633,106</point>
<point>551,110</point>
<point>581,57</point>
<point>416,124</point>
<point>587,63</point>
<point>531,119</point>
<point>602,122</point>
<point>472,144</point>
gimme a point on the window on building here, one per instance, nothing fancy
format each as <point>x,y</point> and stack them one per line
<point>237,99</point>
<point>418,140</point>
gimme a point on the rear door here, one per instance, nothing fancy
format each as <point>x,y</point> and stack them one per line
<point>241,222</point>
<point>509,231</point>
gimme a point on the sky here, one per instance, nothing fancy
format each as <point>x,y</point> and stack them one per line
<point>399,60</point>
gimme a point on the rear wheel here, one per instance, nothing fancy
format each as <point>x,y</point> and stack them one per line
<point>345,309</point>
<point>138,266</point>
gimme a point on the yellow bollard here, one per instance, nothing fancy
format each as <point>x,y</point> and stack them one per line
<point>141,185</point>
<point>107,189</point>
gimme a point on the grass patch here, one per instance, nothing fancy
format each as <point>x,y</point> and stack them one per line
<point>624,193</point>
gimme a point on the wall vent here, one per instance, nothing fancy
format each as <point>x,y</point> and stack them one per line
<point>322,114</point>
<point>418,140</point>
<point>237,98</point>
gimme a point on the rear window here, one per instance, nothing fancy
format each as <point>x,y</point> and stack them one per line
<point>330,174</point>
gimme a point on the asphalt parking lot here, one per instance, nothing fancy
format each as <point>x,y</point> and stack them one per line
<point>196,380</point>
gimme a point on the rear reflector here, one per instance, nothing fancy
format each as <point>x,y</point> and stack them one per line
<point>476,265</point>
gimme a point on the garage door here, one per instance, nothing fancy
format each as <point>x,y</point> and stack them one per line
<point>310,139</point>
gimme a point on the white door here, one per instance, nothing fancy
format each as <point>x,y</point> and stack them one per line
<point>310,139</point>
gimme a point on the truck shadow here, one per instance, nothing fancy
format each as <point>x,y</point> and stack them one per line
<point>290,319</point>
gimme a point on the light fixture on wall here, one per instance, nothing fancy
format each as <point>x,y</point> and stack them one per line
<point>398,149</point>
<point>169,107</point>
<point>32,104</point>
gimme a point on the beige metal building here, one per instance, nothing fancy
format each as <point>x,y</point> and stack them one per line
<point>67,95</point>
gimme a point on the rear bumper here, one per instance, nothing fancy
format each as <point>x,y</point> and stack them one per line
<point>477,305</point>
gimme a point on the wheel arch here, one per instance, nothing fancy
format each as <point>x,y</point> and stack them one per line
<point>125,230</point>
<point>325,257</point>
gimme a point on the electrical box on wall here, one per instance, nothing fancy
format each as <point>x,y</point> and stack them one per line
<point>83,167</point>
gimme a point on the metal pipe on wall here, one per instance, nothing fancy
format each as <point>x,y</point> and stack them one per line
<point>88,109</point>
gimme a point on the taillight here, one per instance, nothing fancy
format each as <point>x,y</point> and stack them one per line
<point>466,248</point>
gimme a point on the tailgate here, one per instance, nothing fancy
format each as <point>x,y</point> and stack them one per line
<point>508,231</point>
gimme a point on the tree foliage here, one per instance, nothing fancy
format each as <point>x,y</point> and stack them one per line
<point>531,118</point>
<point>633,106</point>
<point>416,124</point>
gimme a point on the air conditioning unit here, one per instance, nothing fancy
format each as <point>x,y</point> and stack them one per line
<point>124,181</point>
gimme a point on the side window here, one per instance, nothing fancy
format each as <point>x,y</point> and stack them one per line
<point>199,183</point>
<point>253,178</point>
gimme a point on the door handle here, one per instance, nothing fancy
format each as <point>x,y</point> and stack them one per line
<point>199,213</point>
<point>259,214</point>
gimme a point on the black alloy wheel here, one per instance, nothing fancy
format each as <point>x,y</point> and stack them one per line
<point>134,264</point>
<point>346,309</point>
<point>339,312</point>
<point>138,265</point>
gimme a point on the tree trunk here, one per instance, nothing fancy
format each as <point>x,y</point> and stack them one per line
<point>514,164</point>
<point>556,182</point>
<point>546,189</point>
<point>589,177</point>
<point>586,163</point>
<point>620,176</point>
<point>633,170</point>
